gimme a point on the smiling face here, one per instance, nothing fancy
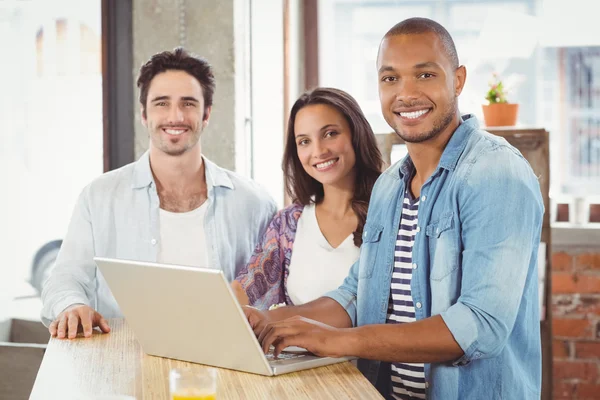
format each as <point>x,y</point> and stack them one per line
<point>174,114</point>
<point>324,144</point>
<point>418,86</point>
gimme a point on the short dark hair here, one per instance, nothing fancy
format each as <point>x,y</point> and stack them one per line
<point>417,25</point>
<point>301,187</point>
<point>181,60</point>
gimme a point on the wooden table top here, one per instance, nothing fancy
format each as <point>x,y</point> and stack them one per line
<point>114,363</point>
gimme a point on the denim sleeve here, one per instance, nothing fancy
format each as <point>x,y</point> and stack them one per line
<point>346,294</point>
<point>73,278</point>
<point>501,216</point>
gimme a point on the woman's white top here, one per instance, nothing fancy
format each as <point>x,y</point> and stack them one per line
<point>316,267</point>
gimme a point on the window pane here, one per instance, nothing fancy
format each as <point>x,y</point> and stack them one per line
<point>553,76</point>
<point>51,108</point>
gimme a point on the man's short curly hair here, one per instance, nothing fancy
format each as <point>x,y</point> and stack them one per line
<point>180,60</point>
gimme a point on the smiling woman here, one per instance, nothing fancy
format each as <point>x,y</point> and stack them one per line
<point>331,162</point>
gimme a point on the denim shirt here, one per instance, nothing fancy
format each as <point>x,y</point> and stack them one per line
<point>475,265</point>
<point>117,216</point>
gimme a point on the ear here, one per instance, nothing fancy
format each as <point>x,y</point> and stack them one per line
<point>207,111</point>
<point>143,116</point>
<point>206,117</point>
<point>460,77</point>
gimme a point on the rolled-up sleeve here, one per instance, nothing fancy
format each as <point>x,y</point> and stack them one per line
<point>345,295</point>
<point>501,219</point>
<point>72,279</point>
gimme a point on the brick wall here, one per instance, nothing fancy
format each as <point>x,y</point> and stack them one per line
<point>576,322</point>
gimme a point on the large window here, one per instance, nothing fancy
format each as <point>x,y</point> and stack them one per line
<point>580,94</point>
<point>51,109</point>
<point>554,77</point>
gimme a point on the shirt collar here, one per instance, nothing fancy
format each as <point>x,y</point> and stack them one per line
<point>142,174</point>
<point>458,142</point>
<point>454,148</point>
<point>215,175</point>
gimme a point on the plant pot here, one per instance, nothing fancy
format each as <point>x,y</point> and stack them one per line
<point>500,114</point>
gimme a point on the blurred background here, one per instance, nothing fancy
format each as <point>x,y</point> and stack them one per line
<point>69,112</point>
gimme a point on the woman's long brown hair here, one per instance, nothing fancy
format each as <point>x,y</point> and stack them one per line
<point>301,187</point>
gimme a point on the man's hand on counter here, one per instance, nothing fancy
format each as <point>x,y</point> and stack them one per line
<point>77,318</point>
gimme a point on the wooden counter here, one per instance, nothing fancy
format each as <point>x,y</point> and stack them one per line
<point>115,364</point>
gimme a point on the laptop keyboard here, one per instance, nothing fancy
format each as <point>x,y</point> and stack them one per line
<point>282,357</point>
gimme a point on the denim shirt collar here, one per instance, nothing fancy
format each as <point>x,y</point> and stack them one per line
<point>215,176</point>
<point>453,150</point>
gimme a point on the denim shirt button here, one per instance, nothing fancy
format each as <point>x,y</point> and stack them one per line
<point>418,228</point>
<point>419,305</point>
<point>426,385</point>
<point>423,198</point>
<point>414,265</point>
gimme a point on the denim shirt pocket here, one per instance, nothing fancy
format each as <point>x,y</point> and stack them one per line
<point>443,246</point>
<point>369,249</point>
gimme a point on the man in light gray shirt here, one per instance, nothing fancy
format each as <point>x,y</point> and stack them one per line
<point>171,206</point>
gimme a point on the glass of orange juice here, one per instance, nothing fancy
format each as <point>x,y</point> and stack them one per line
<point>193,383</point>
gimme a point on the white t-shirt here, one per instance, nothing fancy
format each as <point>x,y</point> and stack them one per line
<point>316,267</point>
<point>182,238</point>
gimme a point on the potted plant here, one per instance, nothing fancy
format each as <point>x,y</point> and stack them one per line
<point>498,111</point>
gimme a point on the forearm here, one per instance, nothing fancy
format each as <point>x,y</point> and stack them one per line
<point>65,286</point>
<point>74,275</point>
<point>240,293</point>
<point>323,309</point>
<point>56,297</point>
<point>425,341</point>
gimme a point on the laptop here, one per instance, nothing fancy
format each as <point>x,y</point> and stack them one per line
<point>191,314</point>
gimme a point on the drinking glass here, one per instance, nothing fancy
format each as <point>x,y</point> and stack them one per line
<point>193,384</point>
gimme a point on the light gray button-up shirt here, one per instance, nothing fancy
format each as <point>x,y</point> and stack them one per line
<point>117,216</point>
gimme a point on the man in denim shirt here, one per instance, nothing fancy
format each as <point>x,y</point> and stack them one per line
<point>172,206</point>
<point>450,243</point>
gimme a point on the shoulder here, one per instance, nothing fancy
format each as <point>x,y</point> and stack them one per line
<point>487,155</point>
<point>493,171</point>
<point>250,191</point>
<point>392,172</point>
<point>293,211</point>
<point>388,177</point>
<point>285,221</point>
<point>107,183</point>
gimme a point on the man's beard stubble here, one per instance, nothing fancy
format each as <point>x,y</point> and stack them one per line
<point>438,126</point>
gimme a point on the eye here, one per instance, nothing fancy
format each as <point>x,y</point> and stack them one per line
<point>160,104</point>
<point>330,133</point>
<point>426,75</point>
<point>388,79</point>
<point>189,104</point>
<point>302,142</point>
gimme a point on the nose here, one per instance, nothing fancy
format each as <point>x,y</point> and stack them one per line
<point>175,114</point>
<point>320,149</point>
<point>407,91</point>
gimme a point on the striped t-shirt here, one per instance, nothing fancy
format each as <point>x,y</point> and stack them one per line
<point>408,380</point>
